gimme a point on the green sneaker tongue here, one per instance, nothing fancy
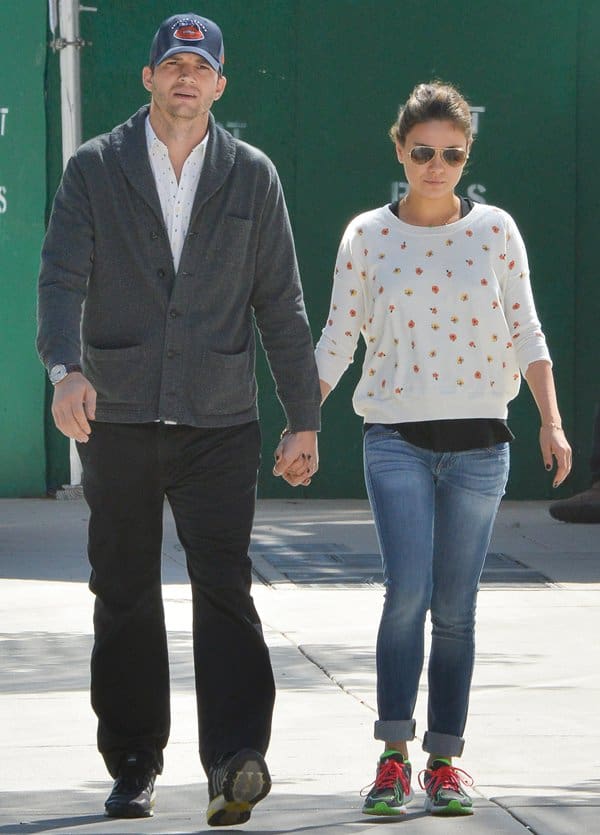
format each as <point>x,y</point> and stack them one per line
<point>438,763</point>
<point>391,753</point>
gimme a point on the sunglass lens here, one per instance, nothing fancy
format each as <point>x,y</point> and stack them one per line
<point>454,156</point>
<point>422,154</point>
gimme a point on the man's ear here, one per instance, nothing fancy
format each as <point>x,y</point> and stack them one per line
<point>147,74</point>
<point>221,84</point>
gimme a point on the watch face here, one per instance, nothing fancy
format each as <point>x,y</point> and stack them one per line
<point>57,373</point>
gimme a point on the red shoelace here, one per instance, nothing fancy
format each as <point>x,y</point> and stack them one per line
<point>444,777</point>
<point>387,774</point>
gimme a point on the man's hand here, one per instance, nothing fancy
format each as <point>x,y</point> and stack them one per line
<point>73,405</point>
<point>297,458</point>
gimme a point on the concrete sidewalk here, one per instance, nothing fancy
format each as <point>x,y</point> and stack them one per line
<point>533,737</point>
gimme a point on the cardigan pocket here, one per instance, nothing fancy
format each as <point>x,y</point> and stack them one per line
<point>117,373</point>
<point>227,384</point>
<point>232,243</point>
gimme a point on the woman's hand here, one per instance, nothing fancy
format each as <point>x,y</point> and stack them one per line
<point>554,445</point>
<point>297,458</point>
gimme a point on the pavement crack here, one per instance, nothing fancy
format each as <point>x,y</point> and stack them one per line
<point>326,672</point>
<point>514,816</point>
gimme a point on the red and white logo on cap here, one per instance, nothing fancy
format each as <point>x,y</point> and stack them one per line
<point>189,32</point>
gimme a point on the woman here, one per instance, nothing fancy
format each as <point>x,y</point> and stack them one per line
<point>439,289</point>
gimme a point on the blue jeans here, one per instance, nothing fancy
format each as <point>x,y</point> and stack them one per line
<point>434,513</point>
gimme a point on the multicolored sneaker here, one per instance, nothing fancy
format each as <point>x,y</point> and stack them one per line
<point>444,794</point>
<point>391,791</point>
<point>235,785</point>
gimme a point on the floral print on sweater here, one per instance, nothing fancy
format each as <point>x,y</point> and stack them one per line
<point>446,314</point>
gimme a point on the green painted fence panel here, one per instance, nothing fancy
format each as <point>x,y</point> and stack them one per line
<point>356,67</point>
<point>22,206</point>
<point>316,85</point>
<point>586,335</point>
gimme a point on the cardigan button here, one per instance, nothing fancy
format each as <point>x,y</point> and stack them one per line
<point>160,273</point>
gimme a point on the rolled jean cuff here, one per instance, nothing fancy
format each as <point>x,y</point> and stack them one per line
<point>393,730</point>
<point>443,744</point>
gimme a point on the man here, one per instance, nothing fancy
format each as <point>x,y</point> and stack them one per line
<point>584,507</point>
<point>168,239</point>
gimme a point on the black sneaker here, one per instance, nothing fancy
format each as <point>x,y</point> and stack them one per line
<point>132,794</point>
<point>391,789</point>
<point>235,785</point>
<point>444,794</point>
<point>582,507</point>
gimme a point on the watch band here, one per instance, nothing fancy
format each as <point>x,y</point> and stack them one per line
<point>59,371</point>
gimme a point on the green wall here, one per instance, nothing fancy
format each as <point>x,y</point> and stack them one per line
<point>317,84</point>
<point>586,300</point>
<point>22,206</point>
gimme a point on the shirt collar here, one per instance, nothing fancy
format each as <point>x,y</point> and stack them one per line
<point>153,142</point>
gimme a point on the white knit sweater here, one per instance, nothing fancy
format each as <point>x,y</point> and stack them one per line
<point>446,313</point>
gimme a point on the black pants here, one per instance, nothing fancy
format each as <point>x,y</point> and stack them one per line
<point>209,478</point>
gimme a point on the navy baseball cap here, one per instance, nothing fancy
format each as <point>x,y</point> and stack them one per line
<point>188,33</point>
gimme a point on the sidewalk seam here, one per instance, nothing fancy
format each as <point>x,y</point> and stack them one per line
<point>514,816</point>
<point>326,673</point>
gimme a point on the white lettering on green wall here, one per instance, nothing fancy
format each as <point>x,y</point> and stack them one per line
<point>235,128</point>
<point>3,200</point>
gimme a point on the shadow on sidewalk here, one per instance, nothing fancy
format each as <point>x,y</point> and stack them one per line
<point>182,809</point>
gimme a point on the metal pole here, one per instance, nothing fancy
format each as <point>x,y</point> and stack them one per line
<point>70,101</point>
<point>70,77</point>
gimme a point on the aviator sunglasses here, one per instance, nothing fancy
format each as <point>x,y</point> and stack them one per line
<point>422,154</point>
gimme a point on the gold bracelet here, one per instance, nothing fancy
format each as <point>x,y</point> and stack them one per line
<point>551,425</point>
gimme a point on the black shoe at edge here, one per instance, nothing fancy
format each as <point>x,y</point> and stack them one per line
<point>132,794</point>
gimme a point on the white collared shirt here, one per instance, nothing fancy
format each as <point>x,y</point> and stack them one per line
<point>176,198</point>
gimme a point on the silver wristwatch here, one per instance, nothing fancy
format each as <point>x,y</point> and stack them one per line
<point>59,371</point>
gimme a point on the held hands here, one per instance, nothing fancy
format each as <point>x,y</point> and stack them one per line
<point>73,405</point>
<point>297,458</point>
<point>554,444</point>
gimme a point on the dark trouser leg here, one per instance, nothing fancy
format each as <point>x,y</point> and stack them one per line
<point>212,496</point>
<point>130,673</point>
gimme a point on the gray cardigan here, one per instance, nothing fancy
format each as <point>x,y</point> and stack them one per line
<point>156,344</point>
